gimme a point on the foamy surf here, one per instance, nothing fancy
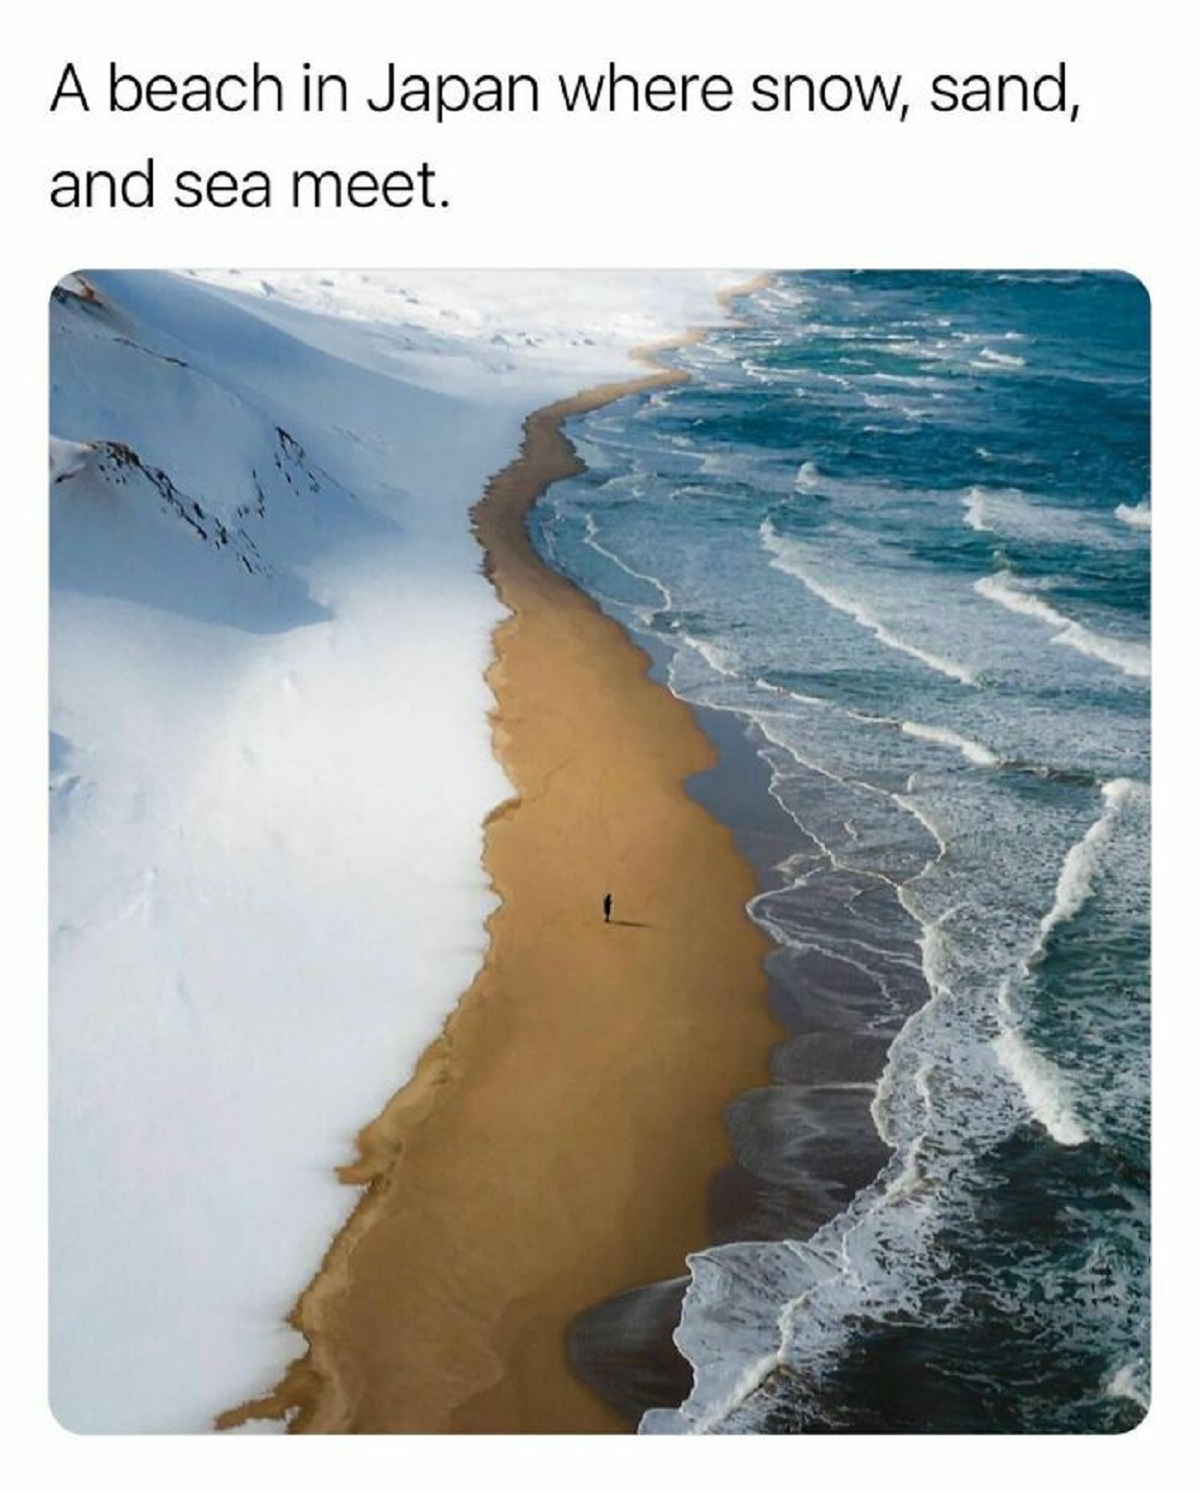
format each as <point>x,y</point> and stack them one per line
<point>974,751</point>
<point>721,660</point>
<point>975,517</point>
<point>1046,1089</point>
<point>1137,515</point>
<point>1014,514</point>
<point>593,541</point>
<point>1000,360</point>
<point>1080,866</point>
<point>787,555</point>
<point>1043,1085</point>
<point>1130,657</point>
<point>1125,1385</point>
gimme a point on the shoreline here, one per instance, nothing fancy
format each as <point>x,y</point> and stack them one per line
<point>557,1141</point>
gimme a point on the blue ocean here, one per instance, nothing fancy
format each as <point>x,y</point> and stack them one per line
<point>891,540</point>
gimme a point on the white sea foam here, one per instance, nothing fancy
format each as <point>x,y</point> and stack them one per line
<point>1131,657</point>
<point>1124,1385</point>
<point>723,660</point>
<point>1044,1086</point>
<point>592,540</point>
<point>808,477</point>
<point>787,558</point>
<point>791,694</point>
<point>1003,360</point>
<point>1008,511</point>
<point>1017,515</point>
<point>973,751</point>
<point>909,380</point>
<point>1075,880</point>
<point>720,464</point>
<point>1136,516</point>
<point>935,965</point>
<point>1029,277</point>
<point>909,1179</point>
<point>975,505</point>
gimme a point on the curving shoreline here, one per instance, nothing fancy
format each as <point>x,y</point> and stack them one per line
<point>557,1142</point>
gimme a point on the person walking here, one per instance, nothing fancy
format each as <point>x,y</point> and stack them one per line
<point>608,907</point>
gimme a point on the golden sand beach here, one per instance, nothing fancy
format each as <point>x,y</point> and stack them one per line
<point>557,1141</point>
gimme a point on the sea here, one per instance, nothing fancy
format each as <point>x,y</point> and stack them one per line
<point>891,541</point>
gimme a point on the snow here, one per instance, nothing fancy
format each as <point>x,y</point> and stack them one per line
<point>270,764</point>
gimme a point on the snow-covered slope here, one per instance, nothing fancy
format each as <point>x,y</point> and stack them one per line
<point>270,764</point>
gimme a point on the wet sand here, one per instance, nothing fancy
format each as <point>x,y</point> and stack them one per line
<point>558,1141</point>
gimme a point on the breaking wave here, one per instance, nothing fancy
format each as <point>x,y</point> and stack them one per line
<point>1131,657</point>
<point>789,557</point>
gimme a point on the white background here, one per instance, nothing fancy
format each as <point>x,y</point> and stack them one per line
<point>1111,191</point>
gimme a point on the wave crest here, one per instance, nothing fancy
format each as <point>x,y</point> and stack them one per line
<point>1131,657</point>
<point>787,557</point>
<point>1136,516</point>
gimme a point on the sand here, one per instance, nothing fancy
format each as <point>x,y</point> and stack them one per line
<point>558,1141</point>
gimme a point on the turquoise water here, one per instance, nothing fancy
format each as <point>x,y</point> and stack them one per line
<point>896,528</point>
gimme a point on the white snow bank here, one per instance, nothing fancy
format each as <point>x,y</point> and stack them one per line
<point>66,458</point>
<point>270,764</point>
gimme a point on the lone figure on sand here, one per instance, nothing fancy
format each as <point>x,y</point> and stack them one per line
<point>608,907</point>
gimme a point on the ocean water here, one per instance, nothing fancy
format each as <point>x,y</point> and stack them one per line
<point>893,538</point>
